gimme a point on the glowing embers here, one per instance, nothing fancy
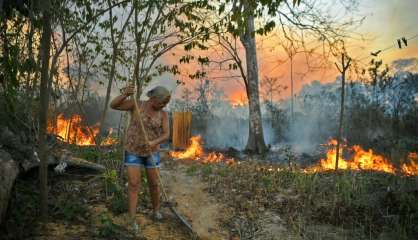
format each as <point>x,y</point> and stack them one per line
<point>361,159</point>
<point>74,132</point>
<point>195,152</point>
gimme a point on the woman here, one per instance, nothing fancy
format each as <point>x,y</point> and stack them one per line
<point>140,153</point>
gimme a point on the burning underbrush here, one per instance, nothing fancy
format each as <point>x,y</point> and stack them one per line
<point>356,158</point>
<point>373,199</point>
<point>353,158</point>
<point>195,152</point>
<point>73,130</point>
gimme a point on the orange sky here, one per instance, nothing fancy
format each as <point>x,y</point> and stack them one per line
<point>385,22</point>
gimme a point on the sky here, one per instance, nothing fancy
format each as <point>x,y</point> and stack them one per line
<point>385,22</point>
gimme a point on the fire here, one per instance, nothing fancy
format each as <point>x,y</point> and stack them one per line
<point>238,99</point>
<point>412,168</point>
<point>73,131</point>
<point>362,160</point>
<point>195,152</point>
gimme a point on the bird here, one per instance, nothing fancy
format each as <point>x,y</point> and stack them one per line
<point>405,41</point>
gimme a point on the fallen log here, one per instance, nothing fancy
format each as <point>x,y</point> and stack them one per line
<point>18,156</point>
<point>9,170</point>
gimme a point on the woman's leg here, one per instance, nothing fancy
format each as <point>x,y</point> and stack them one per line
<point>154,188</point>
<point>134,176</point>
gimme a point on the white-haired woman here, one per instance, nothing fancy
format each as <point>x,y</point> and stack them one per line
<point>138,152</point>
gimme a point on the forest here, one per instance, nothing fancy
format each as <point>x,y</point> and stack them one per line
<point>287,119</point>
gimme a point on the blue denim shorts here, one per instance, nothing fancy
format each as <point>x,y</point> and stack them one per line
<point>139,161</point>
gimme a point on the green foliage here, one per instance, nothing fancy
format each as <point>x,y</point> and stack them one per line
<point>206,169</point>
<point>70,209</point>
<point>192,170</point>
<point>111,181</point>
<point>89,154</point>
<point>267,182</point>
<point>118,201</point>
<point>107,227</point>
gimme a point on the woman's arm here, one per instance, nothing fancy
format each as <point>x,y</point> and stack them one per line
<point>166,132</point>
<point>121,103</point>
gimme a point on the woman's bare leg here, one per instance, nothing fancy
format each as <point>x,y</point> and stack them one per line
<point>134,176</point>
<point>154,188</point>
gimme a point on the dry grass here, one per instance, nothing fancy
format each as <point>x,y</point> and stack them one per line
<point>328,205</point>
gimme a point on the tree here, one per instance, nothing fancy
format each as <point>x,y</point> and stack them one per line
<point>115,42</point>
<point>43,105</point>
<point>312,23</point>
<point>378,78</point>
<point>343,69</point>
<point>291,47</point>
<point>271,87</point>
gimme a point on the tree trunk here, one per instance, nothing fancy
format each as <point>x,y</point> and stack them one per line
<point>43,107</point>
<point>340,125</point>
<point>255,142</point>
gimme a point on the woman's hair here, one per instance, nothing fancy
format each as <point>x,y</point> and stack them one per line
<point>159,92</point>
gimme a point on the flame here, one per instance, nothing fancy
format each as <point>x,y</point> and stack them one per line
<point>362,160</point>
<point>73,131</point>
<point>195,152</point>
<point>412,168</point>
<point>238,99</point>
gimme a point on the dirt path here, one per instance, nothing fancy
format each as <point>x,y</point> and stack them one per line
<point>194,202</point>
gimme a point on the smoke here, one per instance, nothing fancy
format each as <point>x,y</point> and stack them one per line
<point>406,64</point>
<point>315,118</point>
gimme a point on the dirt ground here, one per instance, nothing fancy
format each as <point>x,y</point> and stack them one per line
<point>203,210</point>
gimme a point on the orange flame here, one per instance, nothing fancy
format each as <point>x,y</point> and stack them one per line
<point>72,131</point>
<point>195,152</point>
<point>412,168</point>
<point>362,160</point>
<point>238,99</point>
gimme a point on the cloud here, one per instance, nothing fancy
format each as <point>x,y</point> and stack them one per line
<point>406,64</point>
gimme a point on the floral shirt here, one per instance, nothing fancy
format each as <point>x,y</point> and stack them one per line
<point>135,141</point>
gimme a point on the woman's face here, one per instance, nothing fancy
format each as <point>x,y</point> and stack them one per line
<point>158,104</point>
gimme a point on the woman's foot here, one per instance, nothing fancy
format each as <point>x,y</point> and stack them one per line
<point>133,227</point>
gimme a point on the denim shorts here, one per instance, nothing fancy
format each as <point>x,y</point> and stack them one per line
<point>139,161</point>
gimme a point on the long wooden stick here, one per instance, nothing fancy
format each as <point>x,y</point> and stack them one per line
<point>165,195</point>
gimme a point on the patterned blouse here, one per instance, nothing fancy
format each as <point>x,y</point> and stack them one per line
<point>135,140</point>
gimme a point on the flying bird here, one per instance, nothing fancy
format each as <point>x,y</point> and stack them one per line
<point>399,43</point>
<point>405,42</point>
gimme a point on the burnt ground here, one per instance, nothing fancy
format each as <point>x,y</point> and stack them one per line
<point>249,199</point>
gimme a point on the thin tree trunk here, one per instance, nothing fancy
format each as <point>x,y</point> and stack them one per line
<point>115,44</point>
<point>255,142</point>
<point>112,71</point>
<point>43,108</point>
<point>340,126</point>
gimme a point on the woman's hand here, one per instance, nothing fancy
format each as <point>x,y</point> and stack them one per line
<point>152,144</point>
<point>120,102</point>
<point>128,91</point>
